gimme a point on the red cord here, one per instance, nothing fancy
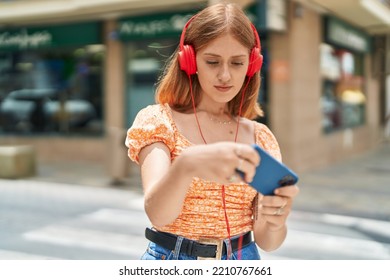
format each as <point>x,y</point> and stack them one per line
<point>194,107</point>
<point>229,249</point>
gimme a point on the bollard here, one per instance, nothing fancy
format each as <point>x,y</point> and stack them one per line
<point>17,161</point>
<point>117,160</point>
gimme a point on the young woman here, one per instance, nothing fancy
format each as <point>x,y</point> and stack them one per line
<point>190,145</point>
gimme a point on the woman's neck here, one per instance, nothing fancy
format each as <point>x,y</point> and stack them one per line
<point>215,109</point>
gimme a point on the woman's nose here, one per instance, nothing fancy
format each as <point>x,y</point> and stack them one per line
<point>224,73</point>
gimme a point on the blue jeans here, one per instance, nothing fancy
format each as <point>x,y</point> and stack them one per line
<point>157,252</point>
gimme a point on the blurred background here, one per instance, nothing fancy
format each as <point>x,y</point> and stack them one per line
<point>73,75</point>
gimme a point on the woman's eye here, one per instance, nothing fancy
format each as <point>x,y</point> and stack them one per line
<point>215,62</point>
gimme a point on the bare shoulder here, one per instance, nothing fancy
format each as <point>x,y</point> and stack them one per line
<point>247,131</point>
<point>246,124</point>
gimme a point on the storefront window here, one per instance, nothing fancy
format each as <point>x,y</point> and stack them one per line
<point>343,98</point>
<point>145,62</point>
<point>52,91</point>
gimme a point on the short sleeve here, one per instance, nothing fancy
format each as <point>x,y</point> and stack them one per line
<point>266,139</point>
<point>151,125</point>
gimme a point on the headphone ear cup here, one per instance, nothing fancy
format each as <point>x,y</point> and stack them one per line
<point>255,62</point>
<point>187,60</point>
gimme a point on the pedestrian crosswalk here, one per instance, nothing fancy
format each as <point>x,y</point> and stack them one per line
<point>107,224</point>
<point>326,236</point>
<point>118,233</point>
<point>15,255</point>
<point>125,245</point>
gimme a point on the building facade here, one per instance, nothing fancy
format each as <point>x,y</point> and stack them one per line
<point>73,78</point>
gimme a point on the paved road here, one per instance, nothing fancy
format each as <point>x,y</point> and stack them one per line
<point>51,220</point>
<point>46,220</point>
<point>358,187</point>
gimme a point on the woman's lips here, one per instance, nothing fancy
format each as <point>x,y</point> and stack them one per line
<point>223,88</point>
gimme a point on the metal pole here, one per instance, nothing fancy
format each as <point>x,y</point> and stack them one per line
<point>387,87</point>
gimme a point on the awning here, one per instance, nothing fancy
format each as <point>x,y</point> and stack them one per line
<point>43,12</point>
<point>371,15</point>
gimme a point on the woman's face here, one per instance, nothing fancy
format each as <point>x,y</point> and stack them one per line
<point>222,67</point>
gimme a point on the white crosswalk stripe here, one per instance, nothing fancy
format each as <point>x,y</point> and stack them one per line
<point>100,233</point>
<point>326,236</point>
<point>326,244</point>
<point>123,244</point>
<point>117,217</point>
<point>14,255</point>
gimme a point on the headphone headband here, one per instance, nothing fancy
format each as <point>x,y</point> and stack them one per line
<point>257,38</point>
<point>184,32</point>
<point>187,59</point>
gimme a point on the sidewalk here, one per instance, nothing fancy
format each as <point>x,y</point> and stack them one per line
<point>356,187</point>
<point>359,186</point>
<point>93,174</point>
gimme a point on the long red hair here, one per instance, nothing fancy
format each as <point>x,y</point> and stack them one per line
<point>173,86</point>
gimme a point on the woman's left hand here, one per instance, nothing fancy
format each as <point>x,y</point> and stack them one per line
<point>276,208</point>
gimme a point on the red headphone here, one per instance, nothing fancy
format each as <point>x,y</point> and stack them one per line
<point>187,58</point>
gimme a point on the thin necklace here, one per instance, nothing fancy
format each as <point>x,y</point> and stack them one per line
<point>223,122</point>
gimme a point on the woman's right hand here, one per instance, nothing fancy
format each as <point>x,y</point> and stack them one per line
<point>166,183</point>
<point>220,161</point>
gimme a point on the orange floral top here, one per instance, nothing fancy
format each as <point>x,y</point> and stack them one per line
<point>202,215</point>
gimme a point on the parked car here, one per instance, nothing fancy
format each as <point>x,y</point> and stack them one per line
<point>39,109</point>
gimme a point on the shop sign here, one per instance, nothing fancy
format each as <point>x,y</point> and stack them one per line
<point>153,26</point>
<point>24,40</point>
<point>167,24</point>
<point>340,33</point>
<point>164,25</point>
<point>48,37</point>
